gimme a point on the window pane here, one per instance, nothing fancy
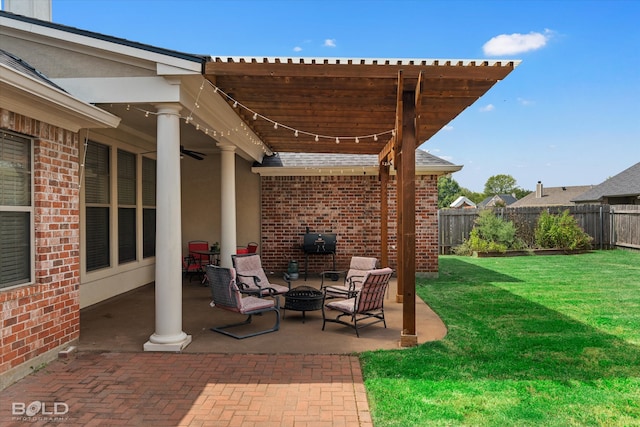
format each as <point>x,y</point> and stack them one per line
<point>97,173</point>
<point>148,182</point>
<point>149,233</point>
<point>97,238</point>
<point>126,178</point>
<point>15,170</point>
<point>126,235</point>
<point>15,251</point>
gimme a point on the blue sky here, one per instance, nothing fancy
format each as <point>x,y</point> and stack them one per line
<point>568,115</point>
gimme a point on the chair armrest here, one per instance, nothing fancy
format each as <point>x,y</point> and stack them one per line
<point>353,280</point>
<point>256,279</point>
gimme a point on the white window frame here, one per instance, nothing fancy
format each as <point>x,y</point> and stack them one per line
<point>30,209</point>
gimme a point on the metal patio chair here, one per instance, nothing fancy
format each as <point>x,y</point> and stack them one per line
<point>253,278</point>
<point>368,303</point>
<point>353,278</point>
<point>225,293</point>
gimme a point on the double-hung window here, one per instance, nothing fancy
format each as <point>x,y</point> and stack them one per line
<point>148,207</point>
<point>97,201</point>
<point>16,210</point>
<point>126,207</point>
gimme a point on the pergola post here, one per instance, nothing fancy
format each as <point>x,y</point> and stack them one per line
<point>407,205</point>
<point>384,213</point>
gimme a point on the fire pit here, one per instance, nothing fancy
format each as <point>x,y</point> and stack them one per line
<point>303,298</point>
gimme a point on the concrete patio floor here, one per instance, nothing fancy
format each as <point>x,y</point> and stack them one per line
<point>126,322</point>
<point>298,376</point>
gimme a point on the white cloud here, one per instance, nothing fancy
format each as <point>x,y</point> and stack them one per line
<point>330,43</point>
<point>509,44</point>
<point>448,128</point>
<point>297,49</point>
<point>525,102</point>
<point>487,108</point>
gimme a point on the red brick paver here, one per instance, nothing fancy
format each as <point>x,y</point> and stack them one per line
<point>163,389</point>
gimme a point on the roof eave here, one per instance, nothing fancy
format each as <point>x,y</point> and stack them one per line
<point>338,170</point>
<point>30,97</point>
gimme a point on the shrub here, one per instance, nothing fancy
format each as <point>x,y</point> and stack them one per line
<point>560,232</point>
<point>489,234</point>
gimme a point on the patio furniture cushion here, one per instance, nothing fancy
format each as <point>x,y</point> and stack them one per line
<point>226,295</point>
<point>252,278</point>
<point>368,303</point>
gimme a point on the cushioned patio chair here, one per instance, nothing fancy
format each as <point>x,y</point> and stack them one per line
<point>200,259</point>
<point>353,277</point>
<point>190,267</point>
<point>253,278</point>
<point>368,303</point>
<point>225,293</point>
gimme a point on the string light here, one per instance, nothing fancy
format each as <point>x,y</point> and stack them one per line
<point>255,116</point>
<point>296,132</point>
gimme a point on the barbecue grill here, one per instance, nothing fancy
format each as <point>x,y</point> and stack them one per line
<point>318,244</point>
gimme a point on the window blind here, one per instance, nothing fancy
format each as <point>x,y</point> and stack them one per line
<point>15,210</point>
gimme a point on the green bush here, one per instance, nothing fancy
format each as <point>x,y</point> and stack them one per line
<point>490,234</point>
<point>560,232</point>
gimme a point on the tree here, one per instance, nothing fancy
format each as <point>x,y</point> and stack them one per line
<point>448,191</point>
<point>500,184</point>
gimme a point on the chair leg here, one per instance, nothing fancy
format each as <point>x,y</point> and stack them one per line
<point>223,329</point>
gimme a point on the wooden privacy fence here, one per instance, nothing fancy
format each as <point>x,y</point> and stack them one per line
<point>625,226</point>
<point>609,226</point>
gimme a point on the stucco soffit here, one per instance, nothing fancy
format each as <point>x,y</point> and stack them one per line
<point>25,95</point>
<point>83,41</point>
<point>216,117</point>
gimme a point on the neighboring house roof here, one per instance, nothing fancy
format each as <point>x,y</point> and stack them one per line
<point>462,202</point>
<point>624,184</point>
<point>344,164</point>
<point>498,199</point>
<point>552,196</point>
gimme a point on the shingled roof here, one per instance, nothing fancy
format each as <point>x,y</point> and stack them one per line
<point>624,184</point>
<point>552,196</point>
<point>346,164</point>
<point>12,61</point>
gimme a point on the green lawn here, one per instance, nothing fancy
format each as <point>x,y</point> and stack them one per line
<point>532,341</point>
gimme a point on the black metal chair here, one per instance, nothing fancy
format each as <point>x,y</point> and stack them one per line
<point>226,295</point>
<point>353,278</point>
<point>368,303</point>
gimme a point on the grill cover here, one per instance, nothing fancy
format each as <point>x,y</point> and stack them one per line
<point>319,243</point>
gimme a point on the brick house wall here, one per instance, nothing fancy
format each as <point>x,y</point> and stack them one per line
<point>44,316</point>
<point>348,206</point>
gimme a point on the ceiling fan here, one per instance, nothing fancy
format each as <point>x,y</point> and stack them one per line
<point>195,154</point>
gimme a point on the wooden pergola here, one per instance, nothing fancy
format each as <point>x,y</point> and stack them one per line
<point>384,107</point>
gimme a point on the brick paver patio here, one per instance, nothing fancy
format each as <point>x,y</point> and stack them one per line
<point>160,389</point>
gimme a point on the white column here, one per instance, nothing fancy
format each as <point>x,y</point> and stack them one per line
<point>168,335</point>
<point>228,204</point>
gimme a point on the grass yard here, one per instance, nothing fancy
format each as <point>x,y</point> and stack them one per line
<point>532,341</point>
